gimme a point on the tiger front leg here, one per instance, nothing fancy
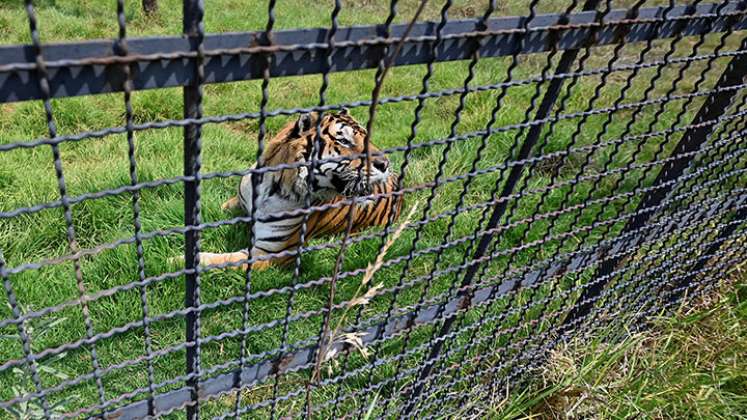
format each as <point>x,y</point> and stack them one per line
<point>263,260</point>
<point>235,260</point>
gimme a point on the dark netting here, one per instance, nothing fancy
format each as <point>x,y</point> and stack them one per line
<point>565,168</point>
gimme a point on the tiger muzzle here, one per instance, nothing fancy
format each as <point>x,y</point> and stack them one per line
<point>358,186</point>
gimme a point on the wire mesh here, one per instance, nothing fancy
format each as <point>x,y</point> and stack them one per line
<point>563,168</point>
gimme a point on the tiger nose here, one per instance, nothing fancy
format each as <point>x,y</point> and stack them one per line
<point>380,164</point>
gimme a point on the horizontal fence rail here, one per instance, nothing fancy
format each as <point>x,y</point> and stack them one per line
<point>94,67</point>
<point>565,174</point>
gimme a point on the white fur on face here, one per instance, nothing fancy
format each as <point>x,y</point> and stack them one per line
<point>377,176</point>
<point>346,131</point>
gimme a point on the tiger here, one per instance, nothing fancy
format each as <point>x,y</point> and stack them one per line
<point>335,178</point>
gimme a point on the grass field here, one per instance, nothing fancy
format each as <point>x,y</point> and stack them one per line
<point>689,365</point>
<point>27,178</point>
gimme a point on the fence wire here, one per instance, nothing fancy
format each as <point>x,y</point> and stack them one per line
<point>570,168</point>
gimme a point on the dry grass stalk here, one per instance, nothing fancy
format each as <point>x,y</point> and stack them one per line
<point>355,339</point>
<point>366,298</point>
<point>379,261</point>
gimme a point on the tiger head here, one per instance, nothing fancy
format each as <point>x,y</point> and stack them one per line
<point>339,151</point>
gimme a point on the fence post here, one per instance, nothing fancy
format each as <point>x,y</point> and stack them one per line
<point>548,100</point>
<point>192,28</point>
<point>691,141</point>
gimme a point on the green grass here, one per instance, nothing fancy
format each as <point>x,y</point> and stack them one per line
<point>688,365</point>
<point>27,178</point>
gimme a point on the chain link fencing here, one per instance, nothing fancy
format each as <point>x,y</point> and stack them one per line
<point>586,171</point>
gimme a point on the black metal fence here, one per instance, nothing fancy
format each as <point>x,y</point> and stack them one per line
<point>591,173</point>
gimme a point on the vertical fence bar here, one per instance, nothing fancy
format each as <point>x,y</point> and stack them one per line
<point>15,308</point>
<point>256,180</point>
<point>122,49</point>
<point>192,28</point>
<point>691,141</point>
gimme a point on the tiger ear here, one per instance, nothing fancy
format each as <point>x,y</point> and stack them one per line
<point>303,123</point>
<point>344,111</point>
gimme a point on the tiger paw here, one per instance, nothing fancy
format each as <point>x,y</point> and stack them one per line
<point>261,265</point>
<point>231,204</point>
